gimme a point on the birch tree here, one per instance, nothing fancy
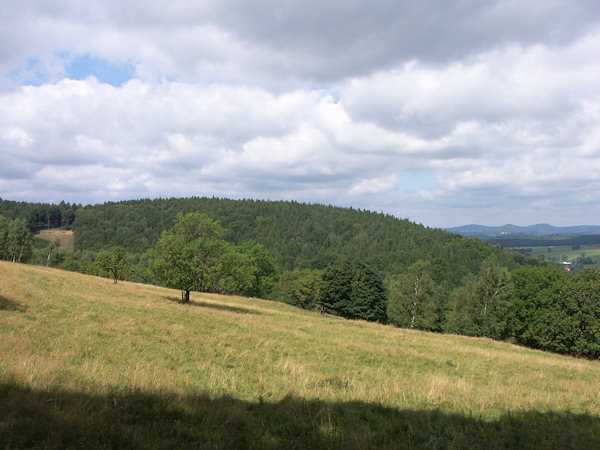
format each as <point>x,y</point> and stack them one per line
<point>481,305</point>
<point>411,298</point>
<point>15,240</point>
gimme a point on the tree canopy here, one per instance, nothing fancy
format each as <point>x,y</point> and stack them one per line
<point>481,305</point>
<point>558,312</point>
<point>115,264</point>
<point>15,240</point>
<point>355,291</point>
<point>186,255</point>
<point>193,256</point>
<point>412,301</point>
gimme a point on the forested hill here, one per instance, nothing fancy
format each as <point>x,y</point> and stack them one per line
<point>297,235</point>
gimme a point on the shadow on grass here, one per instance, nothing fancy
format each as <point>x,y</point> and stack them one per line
<point>216,306</point>
<point>52,418</point>
<point>7,304</point>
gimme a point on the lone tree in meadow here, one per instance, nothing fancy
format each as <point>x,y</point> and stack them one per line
<point>355,291</point>
<point>186,256</point>
<point>114,263</point>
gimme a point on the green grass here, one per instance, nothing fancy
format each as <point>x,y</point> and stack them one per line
<point>87,363</point>
<point>560,253</point>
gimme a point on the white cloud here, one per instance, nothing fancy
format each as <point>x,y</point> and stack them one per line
<point>445,113</point>
<point>374,186</point>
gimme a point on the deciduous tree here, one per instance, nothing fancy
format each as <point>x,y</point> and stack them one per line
<point>264,270</point>
<point>533,303</point>
<point>185,257</point>
<point>411,298</point>
<point>115,264</point>
<point>235,273</point>
<point>300,287</point>
<point>15,240</point>
<point>481,304</point>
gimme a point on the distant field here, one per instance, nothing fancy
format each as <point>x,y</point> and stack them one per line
<point>89,363</point>
<point>554,248</point>
<point>64,237</point>
<point>562,253</point>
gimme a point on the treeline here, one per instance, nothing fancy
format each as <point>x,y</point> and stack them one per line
<point>540,307</point>
<point>298,236</point>
<point>557,311</point>
<point>39,216</point>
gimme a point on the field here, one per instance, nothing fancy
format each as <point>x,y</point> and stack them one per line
<point>85,362</point>
<point>64,237</point>
<point>566,253</point>
<point>555,248</point>
<point>560,253</point>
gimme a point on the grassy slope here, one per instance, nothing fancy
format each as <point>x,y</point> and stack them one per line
<point>64,237</point>
<point>86,362</point>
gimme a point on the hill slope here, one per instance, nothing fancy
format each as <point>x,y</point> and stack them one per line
<point>297,235</point>
<point>86,362</point>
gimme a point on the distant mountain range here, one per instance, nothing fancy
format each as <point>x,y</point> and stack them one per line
<point>541,229</point>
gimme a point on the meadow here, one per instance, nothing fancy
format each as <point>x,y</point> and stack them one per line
<point>64,238</point>
<point>559,253</point>
<point>567,253</point>
<point>85,362</point>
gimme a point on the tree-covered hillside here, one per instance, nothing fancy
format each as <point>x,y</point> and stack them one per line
<point>297,235</point>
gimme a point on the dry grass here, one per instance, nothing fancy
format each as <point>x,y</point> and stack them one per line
<point>64,237</point>
<point>359,384</point>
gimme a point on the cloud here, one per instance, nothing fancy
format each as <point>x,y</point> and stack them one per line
<point>374,186</point>
<point>514,83</point>
<point>267,41</point>
<point>192,139</point>
<point>445,113</point>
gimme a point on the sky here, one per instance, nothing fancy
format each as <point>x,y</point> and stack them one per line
<point>445,113</point>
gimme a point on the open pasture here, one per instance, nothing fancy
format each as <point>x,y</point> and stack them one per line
<point>86,362</point>
<point>64,238</point>
<point>561,253</point>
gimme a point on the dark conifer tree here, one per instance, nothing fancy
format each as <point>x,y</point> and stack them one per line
<point>353,290</point>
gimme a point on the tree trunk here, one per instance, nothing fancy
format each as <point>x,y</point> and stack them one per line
<point>414,311</point>
<point>185,296</point>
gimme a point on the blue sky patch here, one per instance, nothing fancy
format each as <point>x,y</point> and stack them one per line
<point>105,71</point>
<point>35,72</point>
<point>30,73</point>
<point>416,181</point>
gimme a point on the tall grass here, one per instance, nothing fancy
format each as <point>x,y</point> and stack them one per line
<point>85,362</point>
